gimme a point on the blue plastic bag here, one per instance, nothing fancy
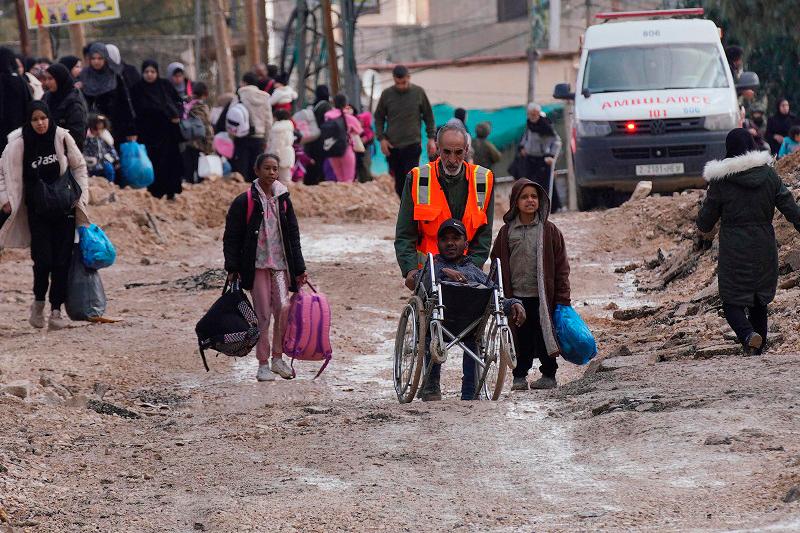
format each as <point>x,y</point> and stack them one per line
<point>96,249</point>
<point>108,171</point>
<point>137,169</point>
<point>576,341</point>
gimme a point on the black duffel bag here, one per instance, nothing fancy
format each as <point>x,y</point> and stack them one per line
<point>230,326</point>
<point>55,198</point>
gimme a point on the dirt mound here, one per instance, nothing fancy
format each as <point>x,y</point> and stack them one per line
<point>679,269</point>
<point>138,223</point>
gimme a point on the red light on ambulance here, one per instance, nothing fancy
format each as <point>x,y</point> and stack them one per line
<point>630,127</point>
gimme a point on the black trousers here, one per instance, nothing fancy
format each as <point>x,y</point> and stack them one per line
<point>51,251</point>
<point>401,160</point>
<point>743,324</point>
<point>245,152</point>
<point>530,343</point>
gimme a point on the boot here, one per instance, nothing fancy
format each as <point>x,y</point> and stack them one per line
<point>432,392</point>
<point>544,382</point>
<point>37,314</point>
<point>753,343</point>
<point>520,383</point>
<point>56,320</point>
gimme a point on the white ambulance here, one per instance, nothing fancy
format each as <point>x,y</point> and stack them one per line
<point>654,100</point>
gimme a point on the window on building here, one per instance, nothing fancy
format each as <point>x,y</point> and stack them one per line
<point>368,7</point>
<point>511,10</point>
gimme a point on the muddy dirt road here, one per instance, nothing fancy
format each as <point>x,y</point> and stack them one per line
<point>702,445</point>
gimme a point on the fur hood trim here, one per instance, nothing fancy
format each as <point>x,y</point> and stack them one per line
<point>722,168</point>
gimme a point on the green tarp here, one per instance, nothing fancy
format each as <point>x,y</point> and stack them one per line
<point>508,124</point>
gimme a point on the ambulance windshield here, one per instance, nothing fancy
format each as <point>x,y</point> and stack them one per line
<point>653,68</point>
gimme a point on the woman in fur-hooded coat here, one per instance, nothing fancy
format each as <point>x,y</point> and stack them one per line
<point>743,192</point>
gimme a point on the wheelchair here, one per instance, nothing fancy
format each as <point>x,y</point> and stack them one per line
<point>441,318</point>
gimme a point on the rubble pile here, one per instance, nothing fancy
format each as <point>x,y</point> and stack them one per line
<point>680,275</point>
<point>138,223</point>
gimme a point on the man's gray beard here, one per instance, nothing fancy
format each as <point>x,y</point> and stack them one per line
<point>451,174</point>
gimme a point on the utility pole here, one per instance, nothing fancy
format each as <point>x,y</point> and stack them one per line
<point>198,37</point>
<point>222,44</point>
<point>352,83</point>
<point>77,39</point>
<point>263,30</point>
<point>533,54</point>
<point>251,26</point>
<point>330,44</point>
<point>24,38</point>
<point>44,45</point>
<point>554,32</point>
<point>300,51</point>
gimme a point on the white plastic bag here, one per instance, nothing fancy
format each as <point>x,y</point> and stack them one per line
<point>209,165</point>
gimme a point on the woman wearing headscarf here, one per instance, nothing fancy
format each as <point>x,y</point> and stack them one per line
<point>67,106</point>
<point>743,192</point>
<point>107,94</point>
<point>14,96</point>
<point>314,149</point>
<point>176,74</point>
<point>538,150</point>
<point>344,166</point>
<point>74,65</point>
<point>41,151</point>
<point>158,112</point>
<point>778,125</point>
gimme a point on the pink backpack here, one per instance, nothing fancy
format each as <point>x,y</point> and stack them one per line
<point>308,333</point>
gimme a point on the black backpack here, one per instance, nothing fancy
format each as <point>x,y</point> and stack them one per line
<point>333,136</point>
<point>230,326</point>
<point>55,198</point>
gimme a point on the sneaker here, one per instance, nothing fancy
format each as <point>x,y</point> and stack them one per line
<point>37,314</point>
<point>753,343</point>
<point>544,382</point>
<point>432,392</point>
<point>56,320</point>
<point>280,367</point>
<point>520,383</point>
<point>264,373</point>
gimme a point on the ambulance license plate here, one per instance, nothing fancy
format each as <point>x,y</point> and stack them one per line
<point>664,169</point>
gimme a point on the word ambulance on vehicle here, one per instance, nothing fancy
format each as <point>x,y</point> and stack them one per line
<point>654,100</point>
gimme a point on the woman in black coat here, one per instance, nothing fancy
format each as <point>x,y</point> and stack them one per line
<point>157,107</point>
<point>107,94</point>
<point>778,125</point>
<point>14,96</point>
<point>743,193</point>
<point>67,106</point>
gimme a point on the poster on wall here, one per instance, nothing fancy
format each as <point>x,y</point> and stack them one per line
<point>50,13</point>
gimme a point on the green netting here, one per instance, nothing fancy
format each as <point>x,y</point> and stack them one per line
<point>508,124</point>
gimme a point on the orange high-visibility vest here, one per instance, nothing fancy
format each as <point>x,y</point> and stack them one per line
<point>431,209</point>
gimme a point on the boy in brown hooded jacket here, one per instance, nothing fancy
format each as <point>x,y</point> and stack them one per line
<point>535,270</point>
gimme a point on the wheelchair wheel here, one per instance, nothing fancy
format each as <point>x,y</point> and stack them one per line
<point>492,379</point>
<point>409,350</point>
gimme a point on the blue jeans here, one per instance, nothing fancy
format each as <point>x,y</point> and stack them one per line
<point>469,367</point>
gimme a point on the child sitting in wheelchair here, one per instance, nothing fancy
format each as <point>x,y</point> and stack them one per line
<point>452,268</point>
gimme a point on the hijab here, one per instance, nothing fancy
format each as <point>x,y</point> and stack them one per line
<point>114,59</point>
<point>97,82</point>
<point>780,123</point>
<point>37,145</point>
<point>69,62</point>
<point>172,68</point>
<point>322,94</point>
<point>64,82</point>
<point>738,142</point>
<point>8,62</point>
<point>155,96</point>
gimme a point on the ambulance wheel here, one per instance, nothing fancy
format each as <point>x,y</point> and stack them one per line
<point>492,378</point>
<point>409,350</point>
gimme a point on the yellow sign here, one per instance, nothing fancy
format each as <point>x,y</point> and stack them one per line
<point>49,13</point>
